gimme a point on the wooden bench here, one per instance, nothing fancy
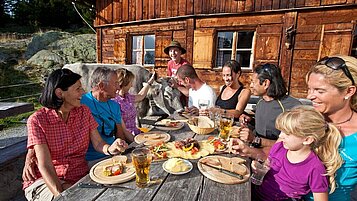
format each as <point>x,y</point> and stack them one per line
<point>8,109</point>
<point>12,160</point>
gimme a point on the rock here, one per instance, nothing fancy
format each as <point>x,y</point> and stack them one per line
<point>42,40</point>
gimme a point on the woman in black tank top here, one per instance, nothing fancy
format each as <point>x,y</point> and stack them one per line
<point>233,97</point>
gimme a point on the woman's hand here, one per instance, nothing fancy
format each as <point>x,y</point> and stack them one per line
<point>118,147</point>
<point>28,173</point>
<point>246,135</point>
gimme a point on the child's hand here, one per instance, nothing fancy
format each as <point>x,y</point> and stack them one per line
<point>152,78</point>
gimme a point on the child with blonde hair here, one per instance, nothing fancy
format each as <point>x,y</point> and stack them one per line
<point>304,159</point>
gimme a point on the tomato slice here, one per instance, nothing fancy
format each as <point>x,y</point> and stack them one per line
<point>117,172</point>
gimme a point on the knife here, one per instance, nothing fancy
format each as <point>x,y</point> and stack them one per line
<point>96,185</point>
<point>233,174</point>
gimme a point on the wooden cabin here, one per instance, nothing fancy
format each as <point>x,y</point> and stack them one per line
<point>293,34</point>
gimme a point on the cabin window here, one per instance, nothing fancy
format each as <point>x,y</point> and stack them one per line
<point>143,50</point>
<point>235,45</point>
<point>354,44</point>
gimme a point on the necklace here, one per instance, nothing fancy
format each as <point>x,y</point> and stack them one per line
<point>342,122</point>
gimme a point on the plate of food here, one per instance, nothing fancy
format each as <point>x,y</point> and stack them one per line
<point>169,125</point>
<point>152,137</point>
<point>189,149</point>
<point>159,151</point>
<point>224,169</point>
<point>177,166</point>
<point>112,171</point>
<point>182,115</point>
<point>219,145</point>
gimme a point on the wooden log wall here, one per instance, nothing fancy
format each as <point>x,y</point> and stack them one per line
<point>118,11</point>
<point>319,32</point>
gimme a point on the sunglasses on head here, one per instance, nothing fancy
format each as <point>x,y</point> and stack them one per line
<point>266,68</point>
<point>337,63</point>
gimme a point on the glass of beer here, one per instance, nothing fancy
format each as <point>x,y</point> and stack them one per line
<point>142,159</point>
<point>225,126</point>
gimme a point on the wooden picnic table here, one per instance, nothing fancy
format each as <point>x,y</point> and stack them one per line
<point>190,186</point>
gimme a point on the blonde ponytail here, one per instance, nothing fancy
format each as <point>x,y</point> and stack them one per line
<point>327,151</point>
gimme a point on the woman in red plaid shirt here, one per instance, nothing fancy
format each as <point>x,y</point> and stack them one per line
<point>60,133</point>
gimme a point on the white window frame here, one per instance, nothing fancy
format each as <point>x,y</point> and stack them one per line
<point>234,48</point>
<point>141,50</point>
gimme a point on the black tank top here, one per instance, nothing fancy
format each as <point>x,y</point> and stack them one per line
<point>231,103</point>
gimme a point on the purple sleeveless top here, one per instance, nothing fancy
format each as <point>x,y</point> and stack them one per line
<point>128,111</point>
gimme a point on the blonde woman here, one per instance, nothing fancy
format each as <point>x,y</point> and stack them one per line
<point>127,101</point>
<point>307,144</point>
<point>332,90</point>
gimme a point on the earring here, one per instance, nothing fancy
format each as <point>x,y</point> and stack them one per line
<point>305,143</point>
<point>346,97</point>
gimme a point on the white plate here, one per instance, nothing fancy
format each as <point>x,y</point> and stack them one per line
<point>179,173</point>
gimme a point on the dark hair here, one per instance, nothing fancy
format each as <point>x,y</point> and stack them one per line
<point>187,70</point>
<point>60,78</point>
<point>271,72</point>
<point>235,67</point>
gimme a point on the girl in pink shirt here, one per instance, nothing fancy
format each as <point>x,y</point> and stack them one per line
<point>304,159</point>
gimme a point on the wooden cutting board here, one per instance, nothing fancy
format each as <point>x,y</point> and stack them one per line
<point>151,138</point>
<point>96,172</point>
<point>225,162</point>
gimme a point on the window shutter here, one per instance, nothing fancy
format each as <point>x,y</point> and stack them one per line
<point>268,39</point>
<point>336,39</point>
<point>162,40</point>
<point>203,48</point>
<point>120,48</point>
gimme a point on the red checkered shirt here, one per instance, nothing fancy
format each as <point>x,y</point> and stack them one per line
<point>67,142</point>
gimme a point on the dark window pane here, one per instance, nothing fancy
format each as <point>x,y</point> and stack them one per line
<point>225,39</point>
<point>149,42</point>
<point>222,57</point>
<point>243,57</point>
<point>245,39</point>
<point>149,57</point>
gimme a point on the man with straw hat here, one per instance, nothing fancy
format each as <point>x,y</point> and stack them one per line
<point>175,50</point>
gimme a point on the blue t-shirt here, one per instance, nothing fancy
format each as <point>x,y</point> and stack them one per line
<point>346,176</point>
<point>107,114</point>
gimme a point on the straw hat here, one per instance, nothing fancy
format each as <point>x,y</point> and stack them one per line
<point>174,44</point>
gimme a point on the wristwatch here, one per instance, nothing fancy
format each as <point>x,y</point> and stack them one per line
<point>257,142</point>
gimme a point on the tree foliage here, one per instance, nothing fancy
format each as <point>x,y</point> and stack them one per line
<point>45,13</point>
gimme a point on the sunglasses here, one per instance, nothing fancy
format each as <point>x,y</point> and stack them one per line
<point>266,68</point>
<point>337,63</point>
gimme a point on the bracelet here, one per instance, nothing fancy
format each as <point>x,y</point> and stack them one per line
<point>110,154</point>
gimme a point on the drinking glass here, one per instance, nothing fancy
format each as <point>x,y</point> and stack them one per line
<point>225,126</point>
<point>214,114</point>
<point>142,159</point>
<point>260,167</point>
<point>203,104</point>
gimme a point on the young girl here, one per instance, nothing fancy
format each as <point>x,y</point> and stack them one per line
<point>127,101</point>
<point>305,153</point>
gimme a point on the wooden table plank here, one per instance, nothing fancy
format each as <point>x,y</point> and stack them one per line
<point>181,187</point>
<point>78,194</point>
